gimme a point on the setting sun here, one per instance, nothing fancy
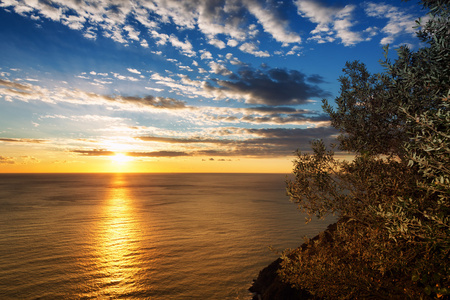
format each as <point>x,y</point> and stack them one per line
<point>121,158</point>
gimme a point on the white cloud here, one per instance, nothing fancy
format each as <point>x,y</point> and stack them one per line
<point>332,22</point>
<point>157,77</point>
<point>185,47</point>
<point>122,21</point>
<point>162,37</point>
<point>122,77</point>
<point>154,89</point>
<point>217,68</point>
<point>133,71</point>
<point>144,43</point>
<point>294,51</point>
<point>132,33</point>
<point>252,49</point>
<point>272,24</point>
<point>90,33</point>
<point>205,54</point>
<point>187,68</point>
<point>74,22</point>
<point>217,43</point>
<point>11,90</point>
<point>398,21</point>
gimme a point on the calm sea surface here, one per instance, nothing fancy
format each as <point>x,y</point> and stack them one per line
<point>142,236</point>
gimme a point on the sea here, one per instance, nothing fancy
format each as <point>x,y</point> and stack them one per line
<point>143,236</point>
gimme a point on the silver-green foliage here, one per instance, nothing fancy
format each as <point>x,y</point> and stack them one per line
<point>393,199</point>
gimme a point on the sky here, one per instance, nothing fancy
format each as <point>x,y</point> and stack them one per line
<point>180,85</point>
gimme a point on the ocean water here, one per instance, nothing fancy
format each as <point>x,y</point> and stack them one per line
<point>142,236</point>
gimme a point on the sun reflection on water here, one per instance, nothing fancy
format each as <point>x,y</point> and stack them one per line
<point>119,251</point>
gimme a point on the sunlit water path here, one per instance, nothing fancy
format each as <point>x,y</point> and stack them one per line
<point>142,236</point>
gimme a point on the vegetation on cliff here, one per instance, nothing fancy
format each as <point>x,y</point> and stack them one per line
<point>393,198</point>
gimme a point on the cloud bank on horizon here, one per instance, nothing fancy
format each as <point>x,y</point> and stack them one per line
<point>166,78</point>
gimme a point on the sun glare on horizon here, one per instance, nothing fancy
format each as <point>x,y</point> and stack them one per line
<point>121,158</point>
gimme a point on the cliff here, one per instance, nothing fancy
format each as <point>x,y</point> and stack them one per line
<point>269,285</point>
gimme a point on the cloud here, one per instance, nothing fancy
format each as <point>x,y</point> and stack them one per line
<point>268,87</point>
<point>88,118</point>
<point>6,160</point>
<point>293,119</point>
<point>157,102</point>
<point>217,68</point>
<point>172,140</point>
<point>270,115</point>
<point>94,152</point>
<point>272,23</point>
<point>132,33</point>
<point>185,47</point>
<point>158,154</point>
<point>205,54</point>
<point>103,152</point>
<point>217,43</point>
<point>271,142</point>
<point>332,22</point>
<point>30,92</point>
<point>132,21</point>
<point>14,140</point>
<point>232,43</point>
<point>398,21</point>
<point>122,77</point>
<point>15,85</point>
<point>252,49</point>
<point>162,37</point>
<point>133,71</point>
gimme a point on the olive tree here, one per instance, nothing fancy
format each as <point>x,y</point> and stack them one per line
<point>393,199</point>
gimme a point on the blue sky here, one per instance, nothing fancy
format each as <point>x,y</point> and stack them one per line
<point>185,85</point>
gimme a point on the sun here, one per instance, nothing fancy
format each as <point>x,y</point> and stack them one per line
<point>120,158</point>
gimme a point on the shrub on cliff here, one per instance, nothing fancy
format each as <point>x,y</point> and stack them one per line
<point>394,197</point>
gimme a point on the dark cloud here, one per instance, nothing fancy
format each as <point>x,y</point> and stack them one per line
<point>94,152</point>
<point>149,100</point>
<point>183,140</point>
<point>103,152</point>
<point>283,119</point>
<point>283,141</point>
<point>274,142</point>
<point>158,102</point>
<point>277,109</point>
<point>158,154</point>
<point>277,115</point>
<point>270,87</point>
<point>315,78</point>
<point>34,141</point>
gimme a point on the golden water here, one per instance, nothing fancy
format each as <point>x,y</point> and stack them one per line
<point>142,236</point>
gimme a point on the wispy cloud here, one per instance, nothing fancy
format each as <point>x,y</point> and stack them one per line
<point>112,20</point>
<point>30,92</point>
<point>332,22</point>
<point>103,152</point>
<point>7,160</point>
<point>15,140</point>
<point>134,71</point>
<point>272,23</point>
<point>158,154</point>
<point>94,152</point>
<point>250,142</point>
<point>398,23</point>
